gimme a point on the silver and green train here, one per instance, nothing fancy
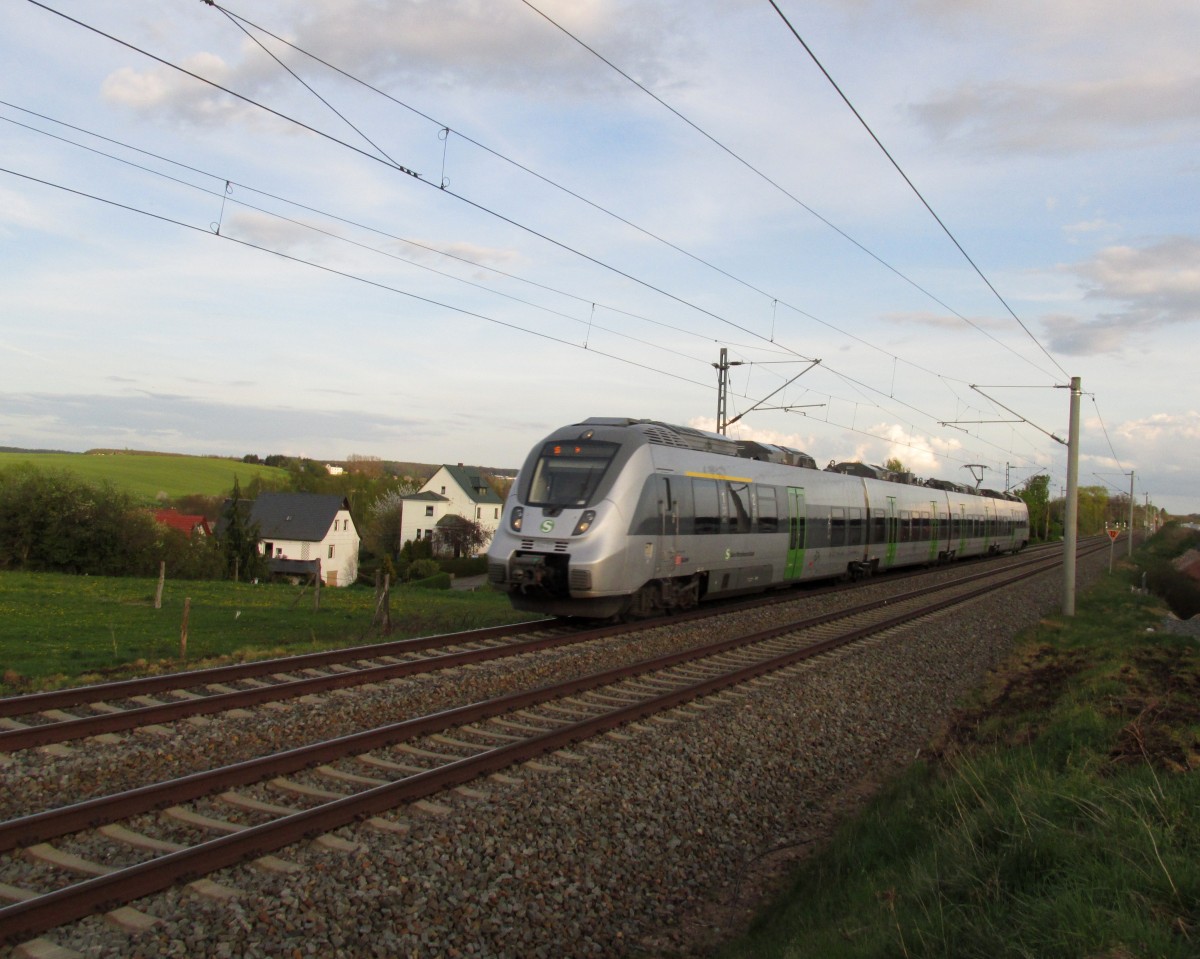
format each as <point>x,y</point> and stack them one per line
<point>624,517</point>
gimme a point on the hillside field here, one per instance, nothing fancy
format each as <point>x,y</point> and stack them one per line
<point>146,475</point>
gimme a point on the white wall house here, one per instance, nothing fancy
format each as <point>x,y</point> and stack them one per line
<point>451,491</point>
<point>303,533</point>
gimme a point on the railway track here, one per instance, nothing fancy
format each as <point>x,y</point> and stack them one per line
<point>104,709</point>
<point>201,823</point>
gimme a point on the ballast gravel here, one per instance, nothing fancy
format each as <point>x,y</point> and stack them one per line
<point>642,843</point>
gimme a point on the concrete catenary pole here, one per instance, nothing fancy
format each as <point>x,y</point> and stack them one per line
<point>1071,523</point>
<point>1131,513</point>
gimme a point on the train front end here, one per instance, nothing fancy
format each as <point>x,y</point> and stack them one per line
<point>561,545</point>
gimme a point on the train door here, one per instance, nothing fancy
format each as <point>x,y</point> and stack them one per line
<point>962,529</point>
<point>893,533</point>
<point>797,526</point>
<point>932,531</point>
<point>669,550</point>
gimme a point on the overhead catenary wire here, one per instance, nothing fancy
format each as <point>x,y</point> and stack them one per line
<point>785,192</point>
<point>847,427</point>
<point>403,169</point>
<point>913,187</point>
<point>227,197</point>
<point>342,273</point>
<point>417,177</point>
<point>445,130</point>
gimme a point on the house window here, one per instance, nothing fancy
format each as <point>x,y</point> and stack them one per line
<point>428,510</point>
<point>331,551</point>
<point>497,516</point>
<point>479,512</point>
<point>443,491</point>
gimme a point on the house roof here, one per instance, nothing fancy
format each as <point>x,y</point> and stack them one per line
<point>185,522</point>
<point>473,484</point>
<point>429,496</point>
<point>296,516</point>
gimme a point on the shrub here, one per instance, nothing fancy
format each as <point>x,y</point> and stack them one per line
<point>466,566</point>
<point>436,581</point>
<point>422,569</point>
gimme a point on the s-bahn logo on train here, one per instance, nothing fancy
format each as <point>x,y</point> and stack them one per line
<point>547,526</point>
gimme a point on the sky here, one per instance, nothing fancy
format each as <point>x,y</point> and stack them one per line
<point>436,231</point>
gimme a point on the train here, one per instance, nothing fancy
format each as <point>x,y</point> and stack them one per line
<point>628,518</point>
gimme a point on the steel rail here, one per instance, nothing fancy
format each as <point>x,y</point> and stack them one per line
<point>48,824</point>
<point>30,703</point>
<point>65,730</point>
<point>24,919</point>
<point>62,820</point>
<point>12,740</point>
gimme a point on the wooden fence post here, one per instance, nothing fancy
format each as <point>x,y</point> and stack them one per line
<point>383,604</point>
<point>162,574</point>
<point>378,597</point>
<point>387,604</point>
<point>317,593</point>
<point>183,630</point>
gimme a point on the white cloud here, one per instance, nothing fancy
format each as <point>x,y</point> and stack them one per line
<point>1137,290</point>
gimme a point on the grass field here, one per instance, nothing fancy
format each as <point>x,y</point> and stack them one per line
<point>146,475</point>
<point>1058,820</point>
<point>57,629</point>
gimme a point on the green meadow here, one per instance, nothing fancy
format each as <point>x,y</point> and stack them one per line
<point>57,629</point>
<point>148,476</point>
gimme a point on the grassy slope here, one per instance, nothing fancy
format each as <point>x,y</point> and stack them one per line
<point>145,475</point>
<point>1058,819</point>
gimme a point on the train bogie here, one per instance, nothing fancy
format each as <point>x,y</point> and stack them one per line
<point>617,516</point>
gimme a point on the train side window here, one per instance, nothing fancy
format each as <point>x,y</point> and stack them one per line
<point>708,506</point>
<point>837,526</point>
<point>926,526</point>
<point>818,527</point>
<point>878,526</point>
<point>739,507</point>
<point>654,515</point>
<point>854,526</point>
<point>768,510</point>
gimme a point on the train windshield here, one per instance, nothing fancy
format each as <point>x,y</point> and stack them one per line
<point>568,473</point>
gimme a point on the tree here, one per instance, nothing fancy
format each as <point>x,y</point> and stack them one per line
<point>499,484</point>
<point>895,465</point>
<point>239,538</point>
<point>55,521</point>
<point>459,535</point>
<point>1036,494</point>
<point>1093,507</point>
<point>381,528</point>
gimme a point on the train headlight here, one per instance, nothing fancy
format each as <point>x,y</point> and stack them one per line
<point>515,518</point>
<point>585,522</point>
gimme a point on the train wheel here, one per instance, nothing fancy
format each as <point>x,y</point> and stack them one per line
<point>646,602</point>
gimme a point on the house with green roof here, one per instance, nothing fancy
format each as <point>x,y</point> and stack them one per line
<point>452,491</point>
